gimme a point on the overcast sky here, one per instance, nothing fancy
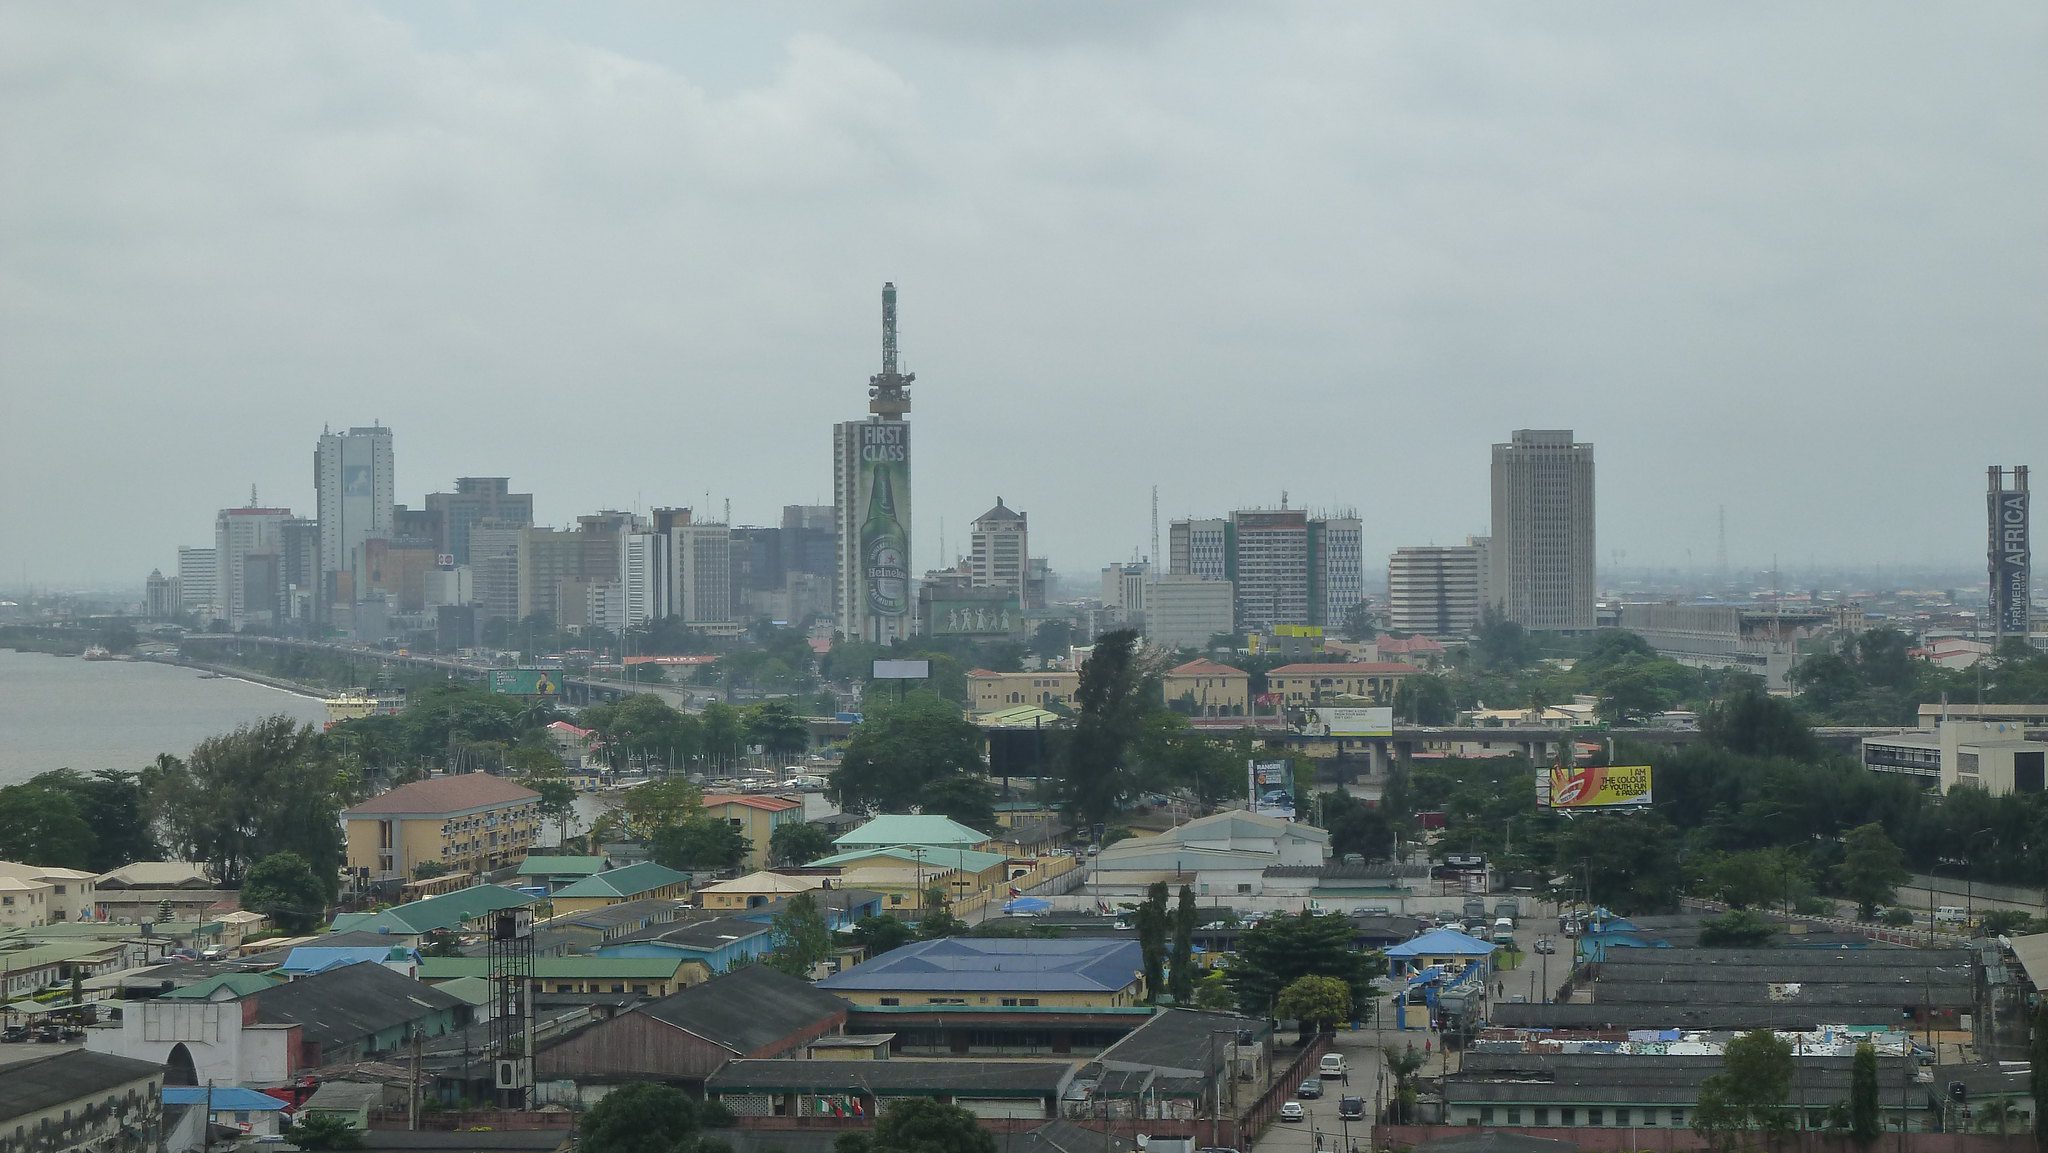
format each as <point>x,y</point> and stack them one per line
<point>1786,258</point>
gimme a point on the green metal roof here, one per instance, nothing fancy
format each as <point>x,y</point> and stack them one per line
<point>447,911</point>
<point>965,860</point>
<point>35,957</point>
<point>560,866</point>
<point>570,968</point>
<point>239,984</point>
<point>910,829</point>
<point>475,990</point>
<point>631,881</point>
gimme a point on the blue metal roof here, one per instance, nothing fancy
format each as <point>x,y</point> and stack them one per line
<point>319,958</point>
<point>1442,943</point>
<point>990,964</point>
<point>222,1099</point>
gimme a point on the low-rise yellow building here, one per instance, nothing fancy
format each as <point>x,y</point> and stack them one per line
<point>756,889</point>
<point>645,881</point>
<point>71,890</point>
<point>1206,688</point>
<point>24,904</point>
<point>756,817</point>
<point>989,691</point>
<point>904,875</point>
<point>1313,684</point>
<point>471,823</point>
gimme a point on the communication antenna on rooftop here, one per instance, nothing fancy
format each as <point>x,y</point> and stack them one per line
<point>252,496</point>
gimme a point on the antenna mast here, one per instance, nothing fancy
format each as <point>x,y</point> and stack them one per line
<point>889,389</point>
<point>1154,558</point>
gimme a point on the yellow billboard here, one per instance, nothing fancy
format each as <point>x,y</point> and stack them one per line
<point>1599,786</point>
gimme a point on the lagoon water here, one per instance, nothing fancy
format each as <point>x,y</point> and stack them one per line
<point>59,712</point>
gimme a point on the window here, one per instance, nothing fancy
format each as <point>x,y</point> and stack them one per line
<point>1017,1001</point>
<point>945,1000</point>
<point>1244,890</point>
<point>1514,1116</point>
<point>1486,1114</point>
<point>1594,1116</point>
<point>1678,1118</point>
<point>1567,1116</point>
<point>892,1001</point>
<point>1542,1115</point>
<point>1620,1117</point>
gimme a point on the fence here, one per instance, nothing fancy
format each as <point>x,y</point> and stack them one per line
<point>473,1120</point>
<point>1644,1140</point>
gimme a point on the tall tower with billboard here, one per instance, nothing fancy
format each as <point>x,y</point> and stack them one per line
<point>871,501</point>
<point>2009,551</point>
<point>355,486</point>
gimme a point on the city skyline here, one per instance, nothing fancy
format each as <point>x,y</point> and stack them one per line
<point>1808,265</point>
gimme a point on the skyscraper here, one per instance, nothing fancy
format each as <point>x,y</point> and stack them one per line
<point>1542,554</point>
<point>999,550</point>
<point>700,572</point>
<point>199,583</point>
<point>248,565</point>
<point>355,487</point>
<point>1336,570</point>
<point>871,496</point>
<point>476,498</point>
<point>1434,590</point>
<point>1287,568</point>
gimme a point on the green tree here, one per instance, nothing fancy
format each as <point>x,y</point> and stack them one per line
<point>1212,993</point>
<point>777,729</point>
<point>1872,869</point>
<point>1318,1003</point>
<point>1151,919</point>
<point>1053,638</point>
<point>1755,723</point>
<point>1737,929</point>
<point>111,804</point>
<point>1865,1123</point>
<point>900,748</point>
<point>642,1118</point>
<point>799,843</point>
<point>320,1132</point>
<point>557,797</point>
<point>963,797</point>
<point>1356,827</point>
<point>41,826</point>
<point>1181,960</point>
<point>936,919</point>
<point>1425,700</point>
<point>1761,877</point>
<point>261,789</point>
<point>723,734</point>
<point>1276,951</point>
<point>1114,694</point>
<point>1499,644</point>
<point>879,934</point>
<point>650,808</point>
<point>920,1125</point>
<point>1748,1094</point>
<point>802,940</point>
<point>282,887</point>
<point>2037,1077</point>
<point>699,841</point>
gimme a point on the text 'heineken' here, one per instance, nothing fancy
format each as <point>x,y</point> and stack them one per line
<point>885,547</point>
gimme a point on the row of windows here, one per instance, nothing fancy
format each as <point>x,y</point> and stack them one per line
<point>1009,1002</point>
<point>1623,1116</point>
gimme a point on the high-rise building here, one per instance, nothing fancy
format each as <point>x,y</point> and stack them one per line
<point>199,582</point>
<point>159,601</point>
<point>494,568</point>
<point>643,579</point>
<point>1123,593</point>
<point>2009,552</point>
<point>248,565</point>
<point>1286,567</point>
<point>355,486</point>
<point>1184,611</point>
<point>1336,570</point>
<point>809,540</point>
<point>476,499</point>
<point>1199,548</point>
<point>554,565</point>
<point>1434,590</point>
<point>871,495</point>
<point>1542,551</point>
<point>700,572</point>
<point>298,548</point>
<point>999,550</point>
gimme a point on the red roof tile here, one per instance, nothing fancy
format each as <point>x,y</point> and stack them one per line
<point>1204,667</point>
<point>752,801</point>
<point>445,795</point>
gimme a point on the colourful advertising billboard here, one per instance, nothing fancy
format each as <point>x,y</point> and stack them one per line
<point>2011,558</point>
<point>1598,786</point>
<point>883,490</point>
<point>527,682</point>
<point>1367,722</point>
<point>952,618</point>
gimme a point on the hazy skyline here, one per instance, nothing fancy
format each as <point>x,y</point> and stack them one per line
<point>1793,260</point>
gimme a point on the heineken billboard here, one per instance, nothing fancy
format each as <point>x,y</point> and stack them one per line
<point>977,618</point>
<point>883,490</point>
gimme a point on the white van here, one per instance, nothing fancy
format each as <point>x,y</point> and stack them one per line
<point>1333,1066</point>
<point>1950,915</point>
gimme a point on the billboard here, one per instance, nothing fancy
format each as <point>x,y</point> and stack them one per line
<point>2010,555</point>
<point>883,490</point>
<point>903,670</point>
<point>1598,787</point>
<point>951,618</point>
<point>527,682</point>
<point>1367,722</point>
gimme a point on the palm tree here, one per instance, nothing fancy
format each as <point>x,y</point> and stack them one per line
<point>1996,1115</point>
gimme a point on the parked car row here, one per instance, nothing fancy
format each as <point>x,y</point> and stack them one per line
<point>15,1034</point>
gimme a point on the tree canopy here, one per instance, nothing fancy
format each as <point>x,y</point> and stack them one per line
<point>283,888</point>
<point>920,1125</point>
<point>1279,950</point>
<point>901,749</point>
<point>1115,692</point>
<point>264,788</point>
<point>642,1118</point>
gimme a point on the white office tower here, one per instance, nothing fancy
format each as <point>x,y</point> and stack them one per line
<point>1434,590</point>
<point>1123,592</point>
<point>355,486</point>
<point>700,573</point>
<point>1337,566</point>
<point>643,579</point>
<point>198,582</point>
<point>1183,611</point>
<point>1199,548</point>
<point>249,565</point>
<point>999,550</point>
<point>1542,550</point>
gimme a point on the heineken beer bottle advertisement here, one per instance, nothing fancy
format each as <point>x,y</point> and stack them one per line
<point>885,519</point>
